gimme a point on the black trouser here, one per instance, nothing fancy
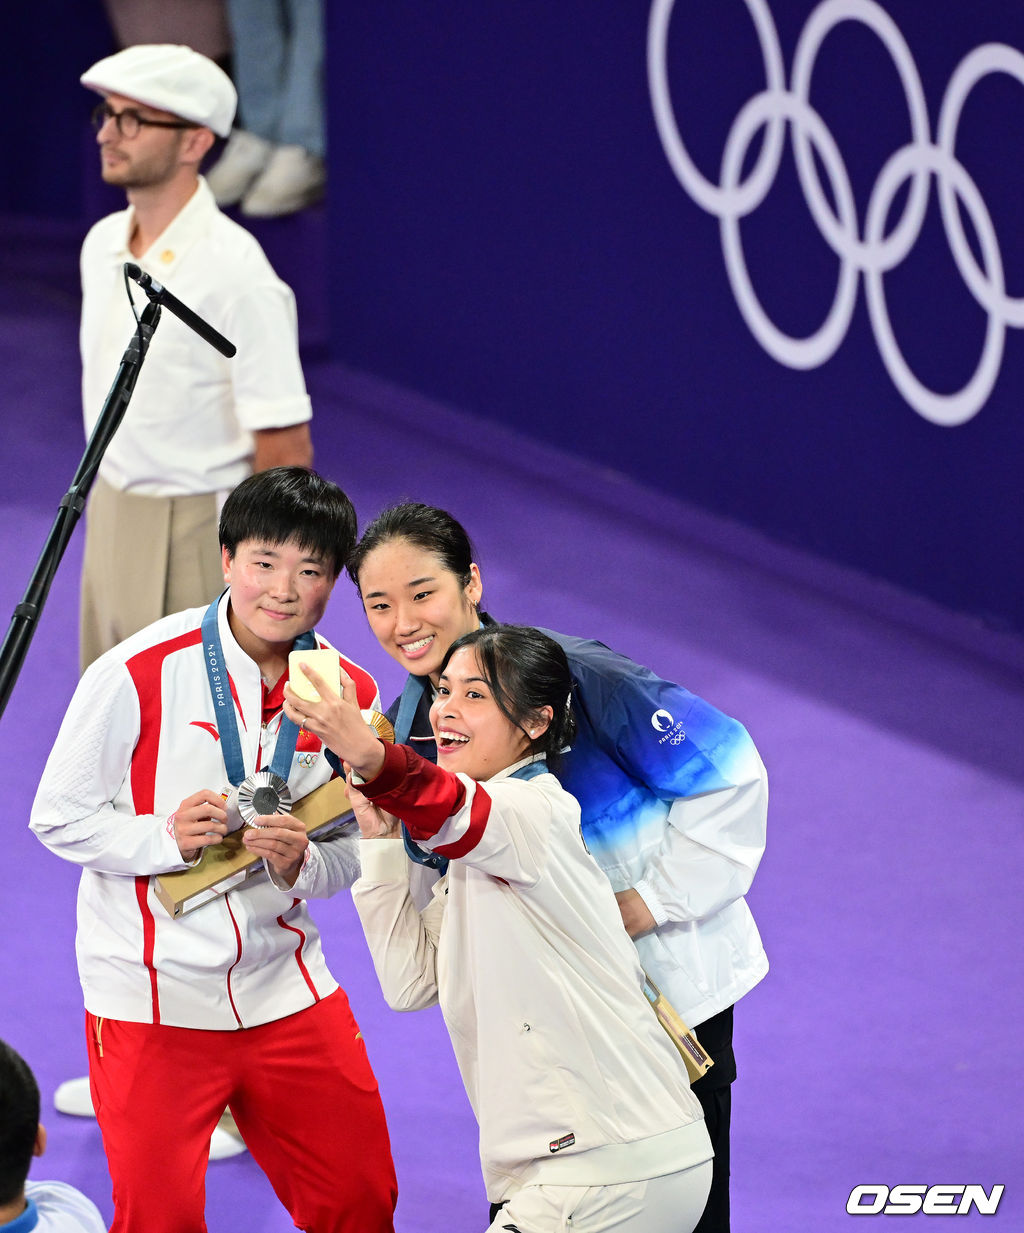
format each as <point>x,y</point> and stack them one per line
<point>713,1092</point>
<point>715,1096</point>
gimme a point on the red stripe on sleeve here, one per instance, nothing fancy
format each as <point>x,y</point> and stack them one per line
<point>146,671</point>
<point>423,795</point>
<point>479,812</point>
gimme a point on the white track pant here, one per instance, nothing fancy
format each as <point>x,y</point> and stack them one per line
<point>670,1204</point>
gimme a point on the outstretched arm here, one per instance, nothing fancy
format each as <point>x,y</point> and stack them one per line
<point>338,722</point>
<point>402,941</point>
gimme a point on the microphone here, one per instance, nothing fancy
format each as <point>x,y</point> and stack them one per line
<point>160,295</point>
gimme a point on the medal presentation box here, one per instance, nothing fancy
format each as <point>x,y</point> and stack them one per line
<point>229,864</point>
<point>690,1049</point>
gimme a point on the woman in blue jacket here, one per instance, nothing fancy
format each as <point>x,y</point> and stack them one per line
<point>673,793</point>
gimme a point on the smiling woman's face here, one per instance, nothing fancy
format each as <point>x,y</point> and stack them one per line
<point>473,735</point>
<point>415,605</point>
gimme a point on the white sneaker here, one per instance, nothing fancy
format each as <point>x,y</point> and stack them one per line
<point>244,157</point>
<point>226,1139</point>
<point>73,1097</point>
<point>291,180</point>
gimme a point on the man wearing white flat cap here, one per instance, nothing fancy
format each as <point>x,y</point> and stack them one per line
<point>197,423</point>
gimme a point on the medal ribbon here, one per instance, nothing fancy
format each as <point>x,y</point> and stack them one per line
<point>224,706</point>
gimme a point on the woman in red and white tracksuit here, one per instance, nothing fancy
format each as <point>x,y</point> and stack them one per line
<point>232,1003</point>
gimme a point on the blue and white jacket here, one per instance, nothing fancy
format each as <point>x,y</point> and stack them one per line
<point>674,801</point>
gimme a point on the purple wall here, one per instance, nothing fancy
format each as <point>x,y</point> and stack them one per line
<point>46,46</point>
<point>507,234</point>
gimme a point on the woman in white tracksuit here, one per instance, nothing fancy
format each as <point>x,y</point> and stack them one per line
<point>586,1116</point>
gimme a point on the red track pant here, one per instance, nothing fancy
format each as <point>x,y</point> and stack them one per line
<point>302,1093</point>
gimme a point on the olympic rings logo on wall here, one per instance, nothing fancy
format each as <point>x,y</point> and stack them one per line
<point>866,250</point>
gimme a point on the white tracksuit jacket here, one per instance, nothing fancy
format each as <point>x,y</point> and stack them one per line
<point>572,1079</point>
<point>138,738</point>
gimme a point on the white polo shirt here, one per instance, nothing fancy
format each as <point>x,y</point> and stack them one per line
<point>188,428</point>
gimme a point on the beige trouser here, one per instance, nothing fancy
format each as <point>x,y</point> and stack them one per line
<point>145,557</point>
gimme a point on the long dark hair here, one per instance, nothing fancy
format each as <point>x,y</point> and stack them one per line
<point>525,670</point>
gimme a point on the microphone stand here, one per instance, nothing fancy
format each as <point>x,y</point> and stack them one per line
<point>27,613</point>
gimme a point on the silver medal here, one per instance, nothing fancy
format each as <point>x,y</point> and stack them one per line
<point>262,793</point>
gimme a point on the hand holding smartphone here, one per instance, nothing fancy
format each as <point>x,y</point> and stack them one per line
<point>324,662</point>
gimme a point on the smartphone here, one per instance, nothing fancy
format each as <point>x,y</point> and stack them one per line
<point>324,662</point>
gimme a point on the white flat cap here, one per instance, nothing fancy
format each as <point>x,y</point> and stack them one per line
<point>171,78</point>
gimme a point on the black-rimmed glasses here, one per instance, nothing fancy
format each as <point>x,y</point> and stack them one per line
<point>129,121</point>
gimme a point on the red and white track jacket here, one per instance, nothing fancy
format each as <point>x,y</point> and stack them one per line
<point>139,737</point>
<point>571,1077</point>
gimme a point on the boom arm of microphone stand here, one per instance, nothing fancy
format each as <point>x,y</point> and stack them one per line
<point>26,614</point>
<point>159,294</point>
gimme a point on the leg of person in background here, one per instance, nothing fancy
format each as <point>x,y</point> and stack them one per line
<point>195,572</point>
<point>260,47</point>
<point>122,532</point>
<point>714,1092</point>
<point>716,1105</point>
<point>295,175</point>
<point>173,556</point>
<point>259,36</point>
<point>302,99</point>
<point>199,24</point>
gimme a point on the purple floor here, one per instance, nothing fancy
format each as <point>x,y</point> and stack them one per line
<point>880,1049</point>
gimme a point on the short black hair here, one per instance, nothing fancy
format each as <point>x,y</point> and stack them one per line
<point>291,503</point>
<point>525,670</point>
<point>426,526</point>
<point>19,1122</point>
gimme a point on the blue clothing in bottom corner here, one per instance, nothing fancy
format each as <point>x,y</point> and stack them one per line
<point>56,1207</point>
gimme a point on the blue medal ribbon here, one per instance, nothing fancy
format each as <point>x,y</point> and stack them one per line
<point>224,707</point>
<point>531,770</point>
